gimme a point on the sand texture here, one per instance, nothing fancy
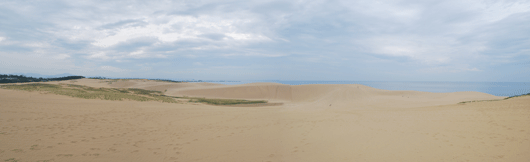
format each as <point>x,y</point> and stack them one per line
<point>315,123</point>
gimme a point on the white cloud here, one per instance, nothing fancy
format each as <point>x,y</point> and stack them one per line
<point>62,56</point>
<point>37,44</point>
<point>253,54</point>
<point>473,69</point>
<point>492,11</point>
<point>389,10</point>
<point>111,69</point>
<point>98,55</point>
<point>469,36</point>
<point>422,49</point>
<point>179,28</point>
<point>449,69</point>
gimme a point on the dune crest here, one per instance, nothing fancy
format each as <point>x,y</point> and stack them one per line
<point>312,95</point>
<point>350,95</point>
<point>316,123</point>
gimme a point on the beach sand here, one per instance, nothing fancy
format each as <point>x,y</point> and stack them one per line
<point>315,123</point>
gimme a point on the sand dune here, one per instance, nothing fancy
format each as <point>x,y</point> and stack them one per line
<point>362,124</point>
<point>319,94</point>
<point>353,96</point>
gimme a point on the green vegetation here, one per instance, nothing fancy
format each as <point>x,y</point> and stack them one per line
<point>528,94</point>
<point>80,91</point>
<point>17,150</point>
<point>86,92</point>
<point>143,91</point>
<point>479,101</point>
<point>224,101</point>
<point>44,160</point>
<point>160,80</point>
<point>23,79</point>
<point>67,155</point>
<point>11,160</point>
<point>34,147</point>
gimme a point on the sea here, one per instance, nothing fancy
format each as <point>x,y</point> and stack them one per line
<point>494,88</point>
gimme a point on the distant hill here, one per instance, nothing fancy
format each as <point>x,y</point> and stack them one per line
<point>35,75</point>
<point>10,78</point>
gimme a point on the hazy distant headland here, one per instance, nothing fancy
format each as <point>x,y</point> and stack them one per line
<point>10,78</point>
<point>4,78</point>
<point>510,89</point>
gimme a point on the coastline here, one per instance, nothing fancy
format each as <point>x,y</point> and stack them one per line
<point>501,89</point>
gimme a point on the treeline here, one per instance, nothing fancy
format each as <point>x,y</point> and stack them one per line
<point>4,78</point>
<point>165,80</point>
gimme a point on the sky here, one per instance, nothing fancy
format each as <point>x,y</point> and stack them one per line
<point>408,40</point>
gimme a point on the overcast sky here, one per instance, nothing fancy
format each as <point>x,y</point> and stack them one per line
<point>410,40</point>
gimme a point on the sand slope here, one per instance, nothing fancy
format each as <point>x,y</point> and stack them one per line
<point>362,124</point>
<point>353,96</point>
<point>350,95</point>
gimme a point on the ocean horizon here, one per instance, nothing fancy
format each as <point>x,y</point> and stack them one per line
<point>493,88</point>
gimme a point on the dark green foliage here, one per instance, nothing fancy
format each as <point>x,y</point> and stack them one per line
<point>163,80</point>
<point>86,92</point>
<point>98,77</point>
<point>24,79</point>
<point>135,94</point>
<point>225,101</point>
<point>143,91</point>
<point>528,94</point>
<point>122,91</point>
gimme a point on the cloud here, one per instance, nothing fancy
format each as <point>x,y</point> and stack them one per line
<point>450,69</point>
<point>123,23</point>
<point>62,56</point>
<point>111,69</point>
<point>178,28</point>
<point>471,36</point>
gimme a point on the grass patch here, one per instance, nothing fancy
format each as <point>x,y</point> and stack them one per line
<point>144,92</point>
<point>528,94</point>
<point>17,150</point>
<point>34,147</point>
<point>44,160</point>
<point>11,160</point>
<point>135,94</point>
<point>464,102</point>
<point>65,155</point>
<point>223,101</point>
<point>86,92</point>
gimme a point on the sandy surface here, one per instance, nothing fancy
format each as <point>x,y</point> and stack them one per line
<point>315,123</point>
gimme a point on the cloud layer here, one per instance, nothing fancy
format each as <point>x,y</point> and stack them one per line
<point>288,40</point>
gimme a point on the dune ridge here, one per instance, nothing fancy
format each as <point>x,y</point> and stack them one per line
<point>314,95</point>
<point>317,123</point>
